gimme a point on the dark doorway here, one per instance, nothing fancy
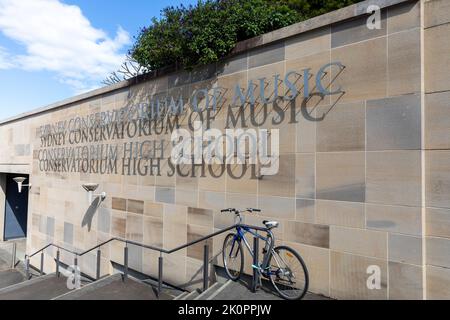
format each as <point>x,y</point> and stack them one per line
<point>16,209</point>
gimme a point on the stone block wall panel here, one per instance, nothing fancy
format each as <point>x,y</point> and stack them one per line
<point>363,175</point>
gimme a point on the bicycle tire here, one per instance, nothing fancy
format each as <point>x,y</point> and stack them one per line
<point>302,292</point>
<point>231,237</point>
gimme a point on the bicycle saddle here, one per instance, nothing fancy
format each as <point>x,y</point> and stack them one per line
<point>271,224</point>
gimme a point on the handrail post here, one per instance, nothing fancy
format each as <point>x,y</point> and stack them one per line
<point>57,263</point>
<point>255,264</point>
<point>14,252</point>
<point>77,272</point>
<point>125,262</point>
<point>99,255</point>
<point>27,267</point>
<point>160,273</point>
<point>205,267</point>
<point>42,263</point>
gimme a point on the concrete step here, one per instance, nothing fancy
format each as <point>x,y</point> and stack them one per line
<point>168,292</point>
<point>10,277</point>
<point>191,296</point>
<point>5,256</point>
<point>211,290</point>
<point>112,288</point>
<point>41,288</point>
<point>4,265</point>
<point>181,296</point>
<point>223,287</point>
<point>241,290</point>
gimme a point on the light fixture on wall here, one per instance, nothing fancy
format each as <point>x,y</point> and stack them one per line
<point>20,181</point>
<point>90,188</point>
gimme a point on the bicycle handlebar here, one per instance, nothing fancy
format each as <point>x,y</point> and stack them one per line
<point>236,211</point>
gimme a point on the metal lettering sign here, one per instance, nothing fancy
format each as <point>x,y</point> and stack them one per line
<point>140,138</point>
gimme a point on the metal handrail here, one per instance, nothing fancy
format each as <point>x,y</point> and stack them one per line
<point>48,246</point>
<point>149,247</point>
<point>140,244</point>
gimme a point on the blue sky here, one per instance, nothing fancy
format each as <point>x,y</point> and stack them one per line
<point>54,49</point>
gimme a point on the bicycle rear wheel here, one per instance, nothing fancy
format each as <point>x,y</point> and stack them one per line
<point>233,257</point>
<point>288,273</point>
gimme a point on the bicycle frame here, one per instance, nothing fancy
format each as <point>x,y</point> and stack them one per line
<point>241,231</point>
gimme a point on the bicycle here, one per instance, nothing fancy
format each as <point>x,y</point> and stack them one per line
<point>282,265</point>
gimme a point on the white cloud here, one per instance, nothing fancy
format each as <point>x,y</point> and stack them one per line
<point>5,59</point>
<point>58,37</point>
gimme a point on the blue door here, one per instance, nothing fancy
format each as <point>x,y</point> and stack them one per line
<point>16,212</point>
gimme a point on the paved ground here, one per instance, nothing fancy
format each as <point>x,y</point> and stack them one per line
<point>4,265</point>
<point>38,289</point>
<point>113,288</point>
<point>241,290</point>
<point>10,277</point>
<point>6,250</point>
<point>119,290</point>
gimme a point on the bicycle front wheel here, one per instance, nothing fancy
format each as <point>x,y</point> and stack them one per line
<point>288,273</point>
<point>233,257</point>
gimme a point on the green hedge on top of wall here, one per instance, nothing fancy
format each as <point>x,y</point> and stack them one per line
<point>189,36</point>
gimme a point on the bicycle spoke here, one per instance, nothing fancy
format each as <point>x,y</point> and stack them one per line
<point>232,257</point>
<point>288,274</point>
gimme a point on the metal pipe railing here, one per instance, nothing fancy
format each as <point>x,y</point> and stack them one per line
<point>14,254</point>
<point>57,262</point>
<point>99,260</point>
<point>206,267</point>
<point>149,247</point>
<point>255,264</point>
<point>51,245</point>
<point>125,262</point>
<point>160,273</point>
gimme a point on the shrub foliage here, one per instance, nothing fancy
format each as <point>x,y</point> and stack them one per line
<point>188,36</point>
